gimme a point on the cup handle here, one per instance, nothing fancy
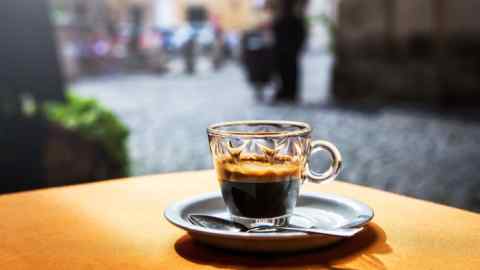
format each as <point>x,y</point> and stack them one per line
<point>335,167</point>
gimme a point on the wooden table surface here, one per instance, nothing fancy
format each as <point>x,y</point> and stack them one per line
<point>119,225</point>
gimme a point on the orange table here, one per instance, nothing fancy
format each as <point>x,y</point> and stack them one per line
<point>119,225</point>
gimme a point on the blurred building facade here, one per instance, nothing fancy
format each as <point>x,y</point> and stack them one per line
<point>94,35</point>
<point>408,50</point>
<point>233,15</point>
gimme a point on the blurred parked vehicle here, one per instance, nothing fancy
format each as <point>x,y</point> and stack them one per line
<point>203,34</point>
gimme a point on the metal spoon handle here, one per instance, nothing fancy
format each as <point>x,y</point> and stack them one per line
<point>343,232</point>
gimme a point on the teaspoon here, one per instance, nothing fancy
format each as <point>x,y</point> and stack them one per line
<point>217,223</point>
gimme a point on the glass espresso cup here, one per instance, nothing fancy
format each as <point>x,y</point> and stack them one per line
<point>261,165</point>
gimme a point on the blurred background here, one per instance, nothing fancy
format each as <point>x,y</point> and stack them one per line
<point>99,89</point>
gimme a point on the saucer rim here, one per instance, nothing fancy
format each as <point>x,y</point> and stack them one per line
<point>173,215</point>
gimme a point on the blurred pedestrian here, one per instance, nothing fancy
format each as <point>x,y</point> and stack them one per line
<point>290,34</point>
<point>218,48</point>
<point>189,55</point>
<point>136,13</point>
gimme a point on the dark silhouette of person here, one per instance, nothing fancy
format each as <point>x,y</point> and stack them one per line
<point>290,34</point>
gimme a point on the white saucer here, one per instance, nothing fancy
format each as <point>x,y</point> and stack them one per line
<point>313,210</point>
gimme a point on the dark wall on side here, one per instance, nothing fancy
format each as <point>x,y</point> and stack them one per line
<point>28,57</point>
<point>28,65</point>
<point>408,50</point>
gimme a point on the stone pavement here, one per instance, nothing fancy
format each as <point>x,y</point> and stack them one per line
<point>419,153</point>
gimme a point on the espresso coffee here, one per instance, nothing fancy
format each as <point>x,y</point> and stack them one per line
<point>254,187</point>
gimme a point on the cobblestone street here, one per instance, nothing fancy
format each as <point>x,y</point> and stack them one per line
<point>418,153</point>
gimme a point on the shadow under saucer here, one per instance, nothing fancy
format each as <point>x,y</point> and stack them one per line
<point>363,246</point>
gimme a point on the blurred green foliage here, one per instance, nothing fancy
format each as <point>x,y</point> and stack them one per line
<point>91,120</point>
